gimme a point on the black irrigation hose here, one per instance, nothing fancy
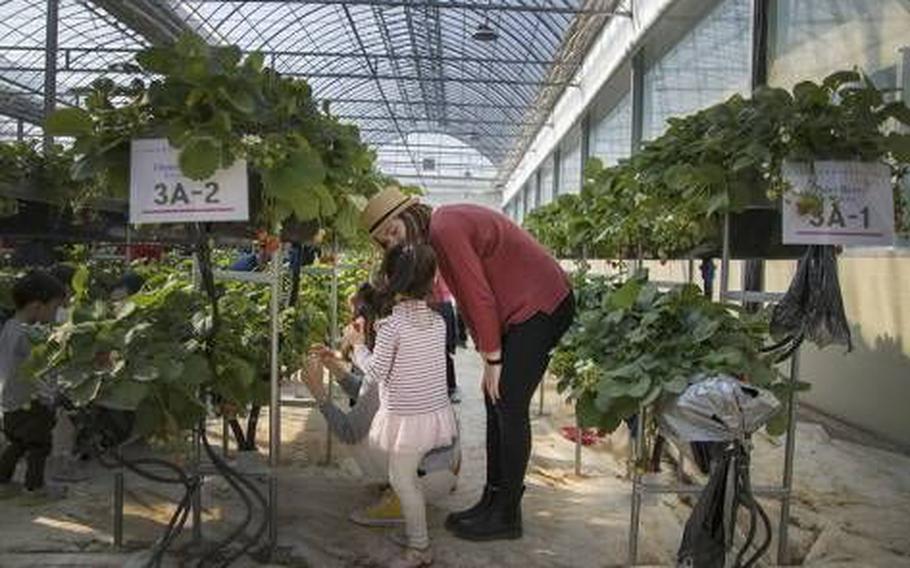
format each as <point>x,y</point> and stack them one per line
<point>178,519</point>
<point>790,344</point>
<point>229,476</point>
<point>192,484</point>
<point>746,499</point>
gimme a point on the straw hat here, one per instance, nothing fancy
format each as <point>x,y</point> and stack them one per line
<point>383,207</point>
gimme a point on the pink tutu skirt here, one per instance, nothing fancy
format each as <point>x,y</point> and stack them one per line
<point>413,433</point>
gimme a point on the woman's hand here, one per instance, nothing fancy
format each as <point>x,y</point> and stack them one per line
<point>325,354</point>
<point>354,333</point>
<point>312,376</point>
<point>490,384</point>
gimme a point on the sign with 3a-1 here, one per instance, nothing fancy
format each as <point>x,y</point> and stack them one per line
<point>838,203</point>
<point>160,193</point>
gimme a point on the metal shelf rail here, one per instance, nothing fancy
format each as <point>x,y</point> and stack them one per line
<point>783,492</point>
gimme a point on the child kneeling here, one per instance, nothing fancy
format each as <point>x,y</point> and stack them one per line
<point>409,364</point>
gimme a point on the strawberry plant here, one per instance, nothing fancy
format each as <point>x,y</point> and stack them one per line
<point>216,107</point>
<point>632,344</point>
<point>667,199</point>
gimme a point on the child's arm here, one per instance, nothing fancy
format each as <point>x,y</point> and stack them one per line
<point>377,366</point>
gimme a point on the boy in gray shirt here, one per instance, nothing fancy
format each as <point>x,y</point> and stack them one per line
<point>28,415</point>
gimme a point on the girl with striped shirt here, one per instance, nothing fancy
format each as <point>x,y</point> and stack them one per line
<point>408,362</point>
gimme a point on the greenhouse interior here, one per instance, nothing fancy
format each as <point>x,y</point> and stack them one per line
<point>401,283</point>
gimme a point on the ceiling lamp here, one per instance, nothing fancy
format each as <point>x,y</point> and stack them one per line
<point>485,33</point>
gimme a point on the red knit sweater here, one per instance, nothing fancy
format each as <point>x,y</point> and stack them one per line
<point>497,272</point>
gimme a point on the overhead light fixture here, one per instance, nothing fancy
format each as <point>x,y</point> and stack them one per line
<point>485,33</point>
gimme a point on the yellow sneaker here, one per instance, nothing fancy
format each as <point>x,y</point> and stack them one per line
<point>385,512</point>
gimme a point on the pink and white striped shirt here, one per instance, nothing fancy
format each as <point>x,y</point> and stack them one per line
<point>408,360</point>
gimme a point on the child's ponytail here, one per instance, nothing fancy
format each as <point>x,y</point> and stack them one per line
<point>408,270</point>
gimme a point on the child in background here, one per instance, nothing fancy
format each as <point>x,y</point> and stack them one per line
<point>408,362</point>
<point>27,405</point>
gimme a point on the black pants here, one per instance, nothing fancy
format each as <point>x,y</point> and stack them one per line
<point>525,355</point>
<point>30,435</point>
<point>448,314</point>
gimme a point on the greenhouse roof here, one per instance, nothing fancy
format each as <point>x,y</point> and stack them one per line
<point>485,73</point>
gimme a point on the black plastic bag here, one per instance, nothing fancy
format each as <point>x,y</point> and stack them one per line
<point>813,308</point>
<point>704,541</point>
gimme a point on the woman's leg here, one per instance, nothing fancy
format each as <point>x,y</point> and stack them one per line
<point>404,480</point>
<point>526,354</point>
<point>372,461</point>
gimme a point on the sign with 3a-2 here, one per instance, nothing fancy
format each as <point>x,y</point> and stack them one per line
<point>160,193</point>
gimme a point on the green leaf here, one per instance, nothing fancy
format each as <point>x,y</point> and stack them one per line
<point>80,282</point>
<point>347,222</point>
<point>69,122</point>
<point>241,100</point>
<point>124,395</point>
<point>837,79</point>
<point>327,207</point>
<point>196,370</point>
<point>777,426</point>
<point>624,297</point>
<point>156,60</point>
<point>200,157</point>
<point>149,418</point>
<point>899,146</point>
<point>897,110</point>
<point>295,181</point>
<point>254,61</point>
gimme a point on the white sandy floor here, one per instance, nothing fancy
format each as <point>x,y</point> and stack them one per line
<point>851,507</point>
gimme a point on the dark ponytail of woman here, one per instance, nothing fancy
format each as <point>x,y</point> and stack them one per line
<point>416,219</point>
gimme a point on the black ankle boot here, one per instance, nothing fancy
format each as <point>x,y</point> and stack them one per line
<point>502,520</point>
<point>477,510</point>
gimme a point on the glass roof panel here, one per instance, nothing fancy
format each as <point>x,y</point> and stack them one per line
<point>397,68</point>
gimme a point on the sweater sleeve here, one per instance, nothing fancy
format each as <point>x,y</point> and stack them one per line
<point>350,384</point>
<point>465,275</point>
<point>354,426</point>
<point>377,366</point>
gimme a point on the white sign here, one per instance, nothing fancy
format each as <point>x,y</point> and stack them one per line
<point>842,203</point>
<point>160,193</point>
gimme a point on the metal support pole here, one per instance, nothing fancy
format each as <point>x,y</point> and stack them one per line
<point>725,261</point>
<point>783,545</point>
<point>225,438</point>
<point>50,66</point>
<point>577,445</point>
<point>127,253</point>
<point>637,93</point>
<point>274,400</point>
<point>637,448</point>
<point>333,323</point>
<point>540,397</point>
<point>196,502</point>
<point>117,510</point>
<point>20,130</point>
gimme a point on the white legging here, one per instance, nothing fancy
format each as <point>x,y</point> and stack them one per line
<point>404,480</point>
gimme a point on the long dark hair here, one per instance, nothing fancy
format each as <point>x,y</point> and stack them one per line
<point>416,219</point>
<point>407,270</point>
<point>367,305</point>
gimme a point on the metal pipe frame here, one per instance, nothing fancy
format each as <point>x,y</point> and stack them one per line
<point>375,77</point>
<point>481,7</point>
<point>274,395</point>
<point>75,52</point>
<point>783,528</point>
<point>50,65</point>
<point>461,104</point>
<point>330,75</point>
<point>440,120</point>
